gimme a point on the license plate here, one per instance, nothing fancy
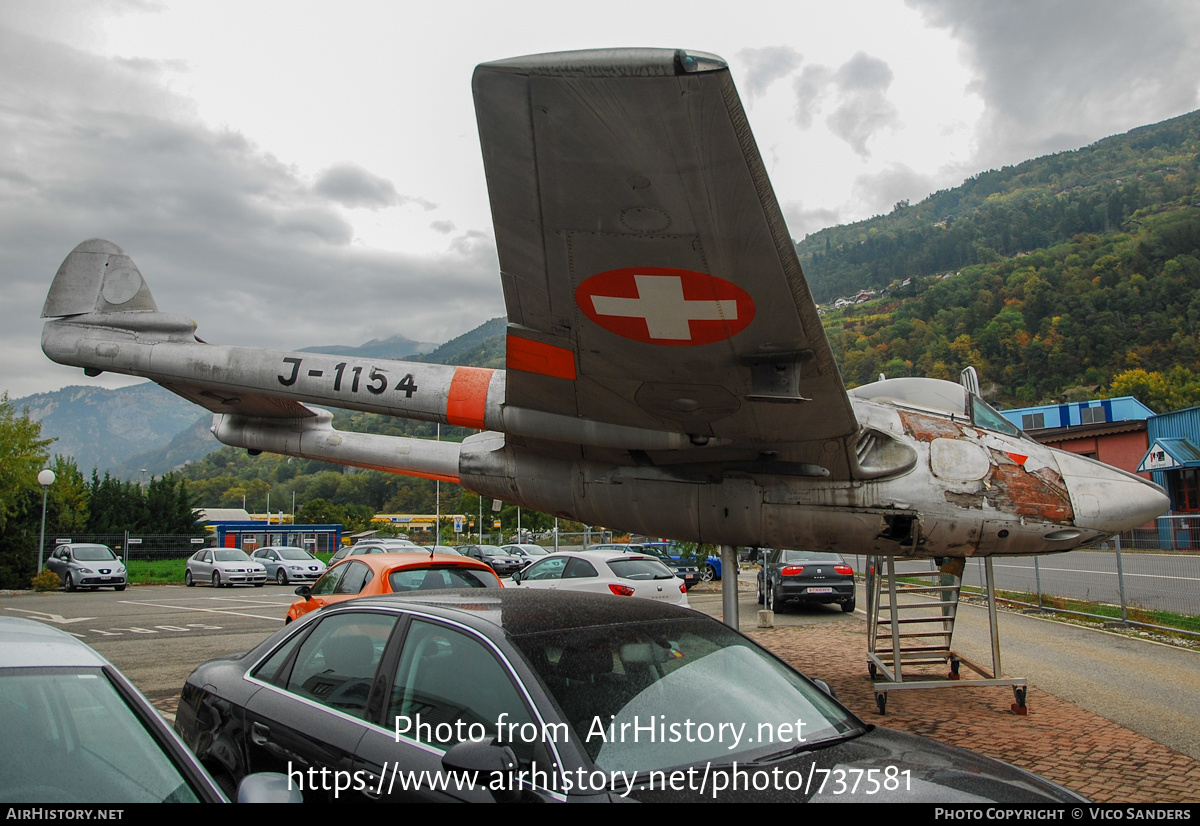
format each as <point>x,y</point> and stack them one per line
<point>820,590</point>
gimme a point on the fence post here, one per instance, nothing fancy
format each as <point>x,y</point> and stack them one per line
<point>1120,578</point>
<point>1037,576</point>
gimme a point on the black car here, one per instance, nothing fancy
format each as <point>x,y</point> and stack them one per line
<point>504,564</point>
<point>806,577</point>
<point>554,696</point>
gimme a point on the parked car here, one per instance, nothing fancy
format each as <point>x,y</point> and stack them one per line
<point>502,563</point>
<point>686,570</point>
<point>525,550</point>
<point>286,565</point>
<point>806,577</point>
<point>605,572</point>
<point>224,566</point>
<point>83,565</point>
<point>390,573</point>
<point>710,567</point>
<point>527,693</point>
<point>78,732</point>
<point>375,546</point>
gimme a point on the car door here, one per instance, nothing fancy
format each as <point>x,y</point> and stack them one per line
<point>545,573</point>
<point>451,684</point>
<point>313,709</point>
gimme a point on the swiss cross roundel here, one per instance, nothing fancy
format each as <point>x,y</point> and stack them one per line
<point>664,305</point>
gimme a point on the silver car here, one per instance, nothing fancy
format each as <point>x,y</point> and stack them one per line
<point>82,565</point>
<point>79,732</point>
<point>286,565</point>
<point>224,566</point>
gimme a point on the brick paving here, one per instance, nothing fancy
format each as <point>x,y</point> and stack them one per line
<point>1056,739</point>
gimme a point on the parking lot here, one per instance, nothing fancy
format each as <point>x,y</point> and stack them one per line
<point>158,634</point>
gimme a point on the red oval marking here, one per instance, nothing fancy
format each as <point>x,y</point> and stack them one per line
<point>664,305</point>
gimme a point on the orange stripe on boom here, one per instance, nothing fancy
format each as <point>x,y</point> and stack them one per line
<point>468,396</point>
<point>536,357</point>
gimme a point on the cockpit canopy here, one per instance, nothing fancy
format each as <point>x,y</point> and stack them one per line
<point>938,396</point>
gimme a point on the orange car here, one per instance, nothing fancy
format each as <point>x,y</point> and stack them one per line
<point>367,575</point>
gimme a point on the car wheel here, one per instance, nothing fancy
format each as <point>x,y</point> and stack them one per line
<point>760,593</point>
<point>772,599</point>
<point>281,577</point>
<point>187,578</point>
<point>118,587</point>
<point>216,579</point>
<point>848,606</point>
<point>709,573</point>
<point>69,582</point>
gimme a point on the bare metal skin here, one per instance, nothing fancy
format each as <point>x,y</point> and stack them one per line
<point>667,372</point>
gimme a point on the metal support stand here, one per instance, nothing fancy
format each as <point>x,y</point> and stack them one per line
<point>917,625</point>
<point>729,585</point>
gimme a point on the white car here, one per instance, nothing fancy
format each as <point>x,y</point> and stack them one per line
<point>604,572</point>
<point>224,566</point>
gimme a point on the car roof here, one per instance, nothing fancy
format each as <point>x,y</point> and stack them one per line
<point>380,562</point>
<point>30,644</point>
<point>518,611</point>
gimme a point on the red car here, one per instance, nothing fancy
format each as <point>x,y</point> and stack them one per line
<point>360,576</point>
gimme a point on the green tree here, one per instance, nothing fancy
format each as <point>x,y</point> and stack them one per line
<point>22,456</point>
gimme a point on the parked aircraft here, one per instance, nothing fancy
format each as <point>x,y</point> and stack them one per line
<point>666,368</point>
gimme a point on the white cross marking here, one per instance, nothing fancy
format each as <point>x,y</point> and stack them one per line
<point>661,304</point>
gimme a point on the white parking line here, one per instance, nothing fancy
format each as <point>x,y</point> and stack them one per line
<point>201,610</point>
<point>249,601</point>
<point>1100,573</point>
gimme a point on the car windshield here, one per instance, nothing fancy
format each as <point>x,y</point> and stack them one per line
<point>72,739</point>
<point>709,693</point>
<point>809,556</point>
<point>229,555</point>
<point>640,569</point>
<point>433,579</point>
<point>294,553</point>
<point>92,553</point>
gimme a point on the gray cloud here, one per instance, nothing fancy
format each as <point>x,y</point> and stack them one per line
<point>880,192</point>
<point>802,222</point>
<point>444,227</point>
<point>765,66</point>
<point>222,231</point>
<point>859,89</point>
<point>809,88</point>
<point>352,186</point>
<point>1056,75</point>
<point>864,108</point>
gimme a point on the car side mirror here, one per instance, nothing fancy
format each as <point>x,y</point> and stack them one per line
<point>268,787</point>
<point>304,591</point>
<point>516,577</point>
<point>489,761</point>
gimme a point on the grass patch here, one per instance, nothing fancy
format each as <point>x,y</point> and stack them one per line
<point>1101,610</point>
<point>155,571</point>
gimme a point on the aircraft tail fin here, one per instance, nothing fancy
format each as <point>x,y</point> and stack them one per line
<point>97,277</point>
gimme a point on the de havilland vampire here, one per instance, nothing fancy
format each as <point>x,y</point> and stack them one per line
<point>666,369</point>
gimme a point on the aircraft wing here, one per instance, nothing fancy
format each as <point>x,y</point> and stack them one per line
<point>649,276</point>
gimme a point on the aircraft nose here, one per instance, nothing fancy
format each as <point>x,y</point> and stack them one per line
<point>1108,499</point>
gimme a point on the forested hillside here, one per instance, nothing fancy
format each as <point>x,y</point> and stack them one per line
<point>1040,203</point>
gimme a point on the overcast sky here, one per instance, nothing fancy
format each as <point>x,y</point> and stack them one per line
<point>291,174</point>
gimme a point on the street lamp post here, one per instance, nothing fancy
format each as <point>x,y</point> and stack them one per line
<point>45,479</point>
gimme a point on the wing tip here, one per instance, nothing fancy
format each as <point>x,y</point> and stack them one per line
<point>631,62</point>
